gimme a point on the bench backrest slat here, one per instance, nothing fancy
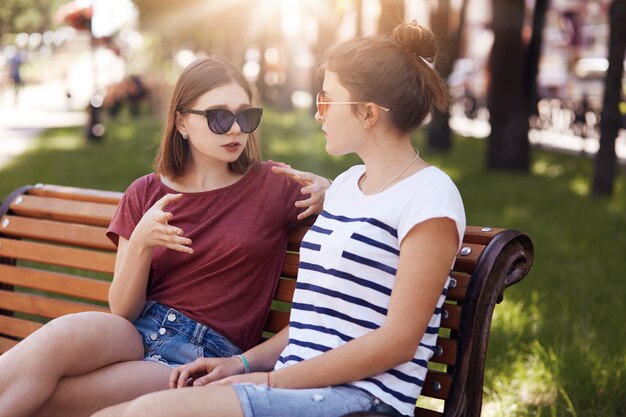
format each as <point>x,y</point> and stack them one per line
<point>57,255</point>
<point>15,327</point>
<point>59,232</point>
<point>53,247</point>
<point>96,214</point>
<point>55,282</point>
<point>43,306</point>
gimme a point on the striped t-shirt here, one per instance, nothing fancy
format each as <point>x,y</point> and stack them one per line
<point>348,263</point>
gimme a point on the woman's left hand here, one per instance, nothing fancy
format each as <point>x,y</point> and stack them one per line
<point>257,378</point>
<point>314,185</point>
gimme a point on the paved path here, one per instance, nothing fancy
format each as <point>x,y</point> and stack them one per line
<point>39,107</point>
<point>546,139</point>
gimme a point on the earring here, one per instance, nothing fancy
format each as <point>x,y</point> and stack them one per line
<point>185,136</point>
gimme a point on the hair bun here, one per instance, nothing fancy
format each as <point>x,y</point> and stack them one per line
<point>416,40</point>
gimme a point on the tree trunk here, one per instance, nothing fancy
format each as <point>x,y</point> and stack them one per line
<point>534,52</point>
<point>391,15</point>
<point>508,147</point>
<point>449,45</point>
<point>604,169</point>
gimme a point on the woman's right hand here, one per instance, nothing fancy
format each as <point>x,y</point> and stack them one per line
<point>154,230</point>
<point>205,370</point>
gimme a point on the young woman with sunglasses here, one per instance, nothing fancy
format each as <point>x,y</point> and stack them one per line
<point>373,269</point>
<point>200,247</point>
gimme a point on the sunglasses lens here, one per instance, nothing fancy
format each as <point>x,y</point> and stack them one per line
<point>249,119</point>
<point>220,121</point>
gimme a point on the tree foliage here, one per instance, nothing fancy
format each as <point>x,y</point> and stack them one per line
<point>28,15</point>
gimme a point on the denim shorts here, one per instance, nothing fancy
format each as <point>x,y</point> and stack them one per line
<point>261,401</point>
<point>174,339</point>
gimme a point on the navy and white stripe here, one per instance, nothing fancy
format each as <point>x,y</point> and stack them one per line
<point>348,264</point>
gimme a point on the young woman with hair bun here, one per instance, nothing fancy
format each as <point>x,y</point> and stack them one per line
<point>374,268</point>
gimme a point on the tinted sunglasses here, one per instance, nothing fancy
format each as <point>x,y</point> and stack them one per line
<point>221,120</point>
<point>323,102</point>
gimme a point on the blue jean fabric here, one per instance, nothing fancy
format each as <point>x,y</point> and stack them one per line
<point>174,339</point>
<point>261,401</point>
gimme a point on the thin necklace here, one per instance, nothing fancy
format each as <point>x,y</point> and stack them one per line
<point>395,177</point>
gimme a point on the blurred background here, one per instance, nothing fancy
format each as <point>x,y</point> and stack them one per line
<point>535,138</point>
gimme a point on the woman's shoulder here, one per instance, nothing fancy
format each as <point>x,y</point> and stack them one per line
<point>144,183</point>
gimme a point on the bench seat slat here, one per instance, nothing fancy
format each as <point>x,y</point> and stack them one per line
<point>6,344</point>
<point>54,231</point>
<point>43,306</point>
<point>15,327</point>
<point>57,255</point>
<point>96,214</point>
<point>92,289</point>
<point>75,193</point>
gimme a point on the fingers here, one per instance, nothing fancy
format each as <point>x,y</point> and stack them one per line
<point>308,212</point>
<point>288,172</point>
<point>282,164</point>
<point>166,199</point>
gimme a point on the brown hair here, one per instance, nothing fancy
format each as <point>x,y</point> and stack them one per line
<point>392,72</point>
<point>196,79</point>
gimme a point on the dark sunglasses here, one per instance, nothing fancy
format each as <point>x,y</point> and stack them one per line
<point>221,120</point>
<point>322,103</point>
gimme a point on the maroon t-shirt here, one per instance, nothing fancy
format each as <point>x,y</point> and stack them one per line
<point>239,236</point>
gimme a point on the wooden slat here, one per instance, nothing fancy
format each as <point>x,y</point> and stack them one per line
<point>457,293</point>
<point>290,266</point>
<point>285,290</point>
<point>11,326</point>
<point>6,344</point>
<point>425,412</point>
<point>467,263</point>
<point>451,316</point>
<point>479,235</point>
<point>96,214</point>
<point>53,231</point>
<point>43,306</point>
<point>276,321</point>
<point>74,193</point>
<point>58,255</point>
<point>446,351</point>
<point>296,233</point>
<point>437,385</point>
<point>65,284</point>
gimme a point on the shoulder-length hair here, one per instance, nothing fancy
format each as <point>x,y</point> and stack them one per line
<point>196,79</point>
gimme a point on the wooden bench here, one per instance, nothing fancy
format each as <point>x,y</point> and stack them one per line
<point>55,259</point>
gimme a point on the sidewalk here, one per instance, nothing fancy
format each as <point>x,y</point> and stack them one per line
<point>544,139</point>
<point>39,107</point>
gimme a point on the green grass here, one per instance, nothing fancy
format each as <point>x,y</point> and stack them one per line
<point>558,341</point>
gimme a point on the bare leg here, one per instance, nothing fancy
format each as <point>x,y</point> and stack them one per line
<point>68,346</point>
<point>210,401</point>
<point>81,396</point>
